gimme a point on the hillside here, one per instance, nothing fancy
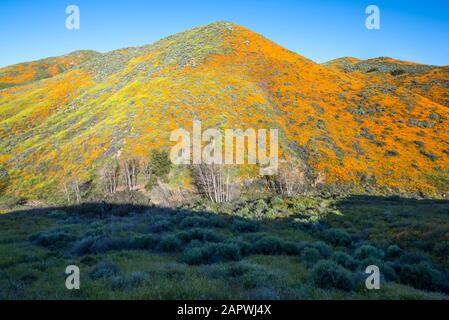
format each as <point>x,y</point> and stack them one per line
<point>365,135</point>
<point>28,72</point>
<point>428,81</point>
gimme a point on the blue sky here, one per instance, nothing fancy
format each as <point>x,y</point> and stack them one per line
<point>320,30</point>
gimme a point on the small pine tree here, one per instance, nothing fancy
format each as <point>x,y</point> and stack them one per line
<point>158,168</point>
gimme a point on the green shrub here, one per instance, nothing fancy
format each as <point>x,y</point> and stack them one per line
<point>244,226</point>
<point>422,276</point>
<point>329,275</point>
<point>143,242</point>
<point>52,238</point>
<point>170,243</point>
<point>199,234</point>
<point>243,212</point>
<point>394,251</point>
<point>194,222</point>
<point>245,247</point>
<point>211,253</point>
<point>105,244</point>
<point>161,226</point>
<point>310,255</point>
<point>160,163</point>
<point>104,270</point>
<point>338,237</point>
<point>368,251</point>
<point>277,202</point>
<point>322,248</point>
<point>83,246</point>
<point>271,245</point>
<point>345,260</point>
<point>261,206</point>
<point>102,244</point>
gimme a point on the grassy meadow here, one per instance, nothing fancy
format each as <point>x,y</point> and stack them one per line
<point>270,248</point>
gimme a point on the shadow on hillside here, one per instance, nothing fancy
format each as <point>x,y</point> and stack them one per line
<point>389,200</point>
<point>97,210</point>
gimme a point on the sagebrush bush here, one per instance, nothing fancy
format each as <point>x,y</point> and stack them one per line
<point>199,234</point>
<point>327,274</point>
<point>368,251</point>
<point>271,245</point>
<point>244,226</point>
<point>423,276</point>
<point>104,270</point>
<point>83,246</point>
<point>50,238</point>
<point>194,222</point>
<point>394,251</point>
<point>161,226</point>
<point>245,247</point>
<point>102,244</point>
<point>170,243</point>
<point>105,244</point>
<point>338,237</point>
<point>345,260</point>
<point>211,253</point>
<point>143,242</point>
<point>324,249</point>
<point>310,256</point>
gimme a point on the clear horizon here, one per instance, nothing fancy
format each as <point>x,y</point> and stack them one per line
<point>410,30</point>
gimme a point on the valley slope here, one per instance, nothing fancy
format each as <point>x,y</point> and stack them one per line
<point>363,133</point>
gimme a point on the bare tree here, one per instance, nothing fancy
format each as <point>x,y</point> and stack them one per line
<point>110,175</point>
<point>66,191</point>
<point>213,182</point>
<point>76,188</point>
<point>131,170</point>
<point>294,179</point>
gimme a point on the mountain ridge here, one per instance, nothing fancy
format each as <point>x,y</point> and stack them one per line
<point>367,136</point>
